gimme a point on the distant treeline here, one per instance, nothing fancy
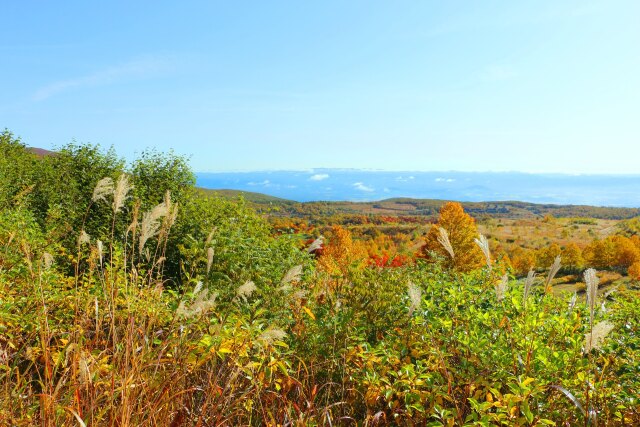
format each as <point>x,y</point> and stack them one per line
<point>427,207</point>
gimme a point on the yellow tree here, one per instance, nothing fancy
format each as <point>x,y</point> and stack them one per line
<point>634,270</point>
<point>600,254</point>
<point>572,257</point>
<point>546,256</point>
<point>461,231</point>
<point>341,252</point>
<point>522,260</point>
<point>626,252</point>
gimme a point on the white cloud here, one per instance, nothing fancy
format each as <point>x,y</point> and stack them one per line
<point>445,180</point>
<point>264,183</point>
<point>360,186</point>
<point>319,177</point>
<point>137,68</point>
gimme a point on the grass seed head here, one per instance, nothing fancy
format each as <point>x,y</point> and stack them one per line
<point>443,238</point>
<point>103,188</point>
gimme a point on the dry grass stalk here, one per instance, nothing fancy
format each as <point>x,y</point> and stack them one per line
<point>483,243</point>
<point>120,192</point>
<point>443,239</point>
<point>415,297</point>
<point>595,338</point>
<point>592,281</point>
<point>553,270</point>
<point>103,188</point>
<point>209,259</point>
<point>99,246</point>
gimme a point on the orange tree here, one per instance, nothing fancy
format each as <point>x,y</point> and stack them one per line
<point>341,252</point>
<point>462,231</point>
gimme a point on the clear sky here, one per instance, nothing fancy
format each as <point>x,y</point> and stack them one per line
<point>536,86</point>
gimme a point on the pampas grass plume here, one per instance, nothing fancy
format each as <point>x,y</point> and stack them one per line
<point>483,243</point>
<point>103,188</point>
<point>443,238</point>
<point>595,339</point>
<point>120,192</point>
<point>553,270</point>
<point>415,297</point>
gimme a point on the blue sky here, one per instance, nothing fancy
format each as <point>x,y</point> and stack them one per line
<point>536,86</point>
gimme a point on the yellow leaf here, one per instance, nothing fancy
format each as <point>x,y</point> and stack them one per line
<point>306,310</point>
<point>527,381</point>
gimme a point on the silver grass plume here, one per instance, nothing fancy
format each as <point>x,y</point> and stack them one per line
<point>553,270</point>
<point>172,209</point>
<point>443,238</point>
<point>272,334</point>
<point>245,291</point>
<point>204,301</point>
<point>293,275</point>
<point>103,188</point>
<point>595,339</point>
<point>209,258</point>
<point>197,288</point>
<point>299,295</point>
<point>150,224</point>
<point>120,192</point>
<point>99,246</point>
<point>415,297</point>
<point>528,284</point>
<point>210,236</point>
<point>572,301</point>
<point>47,260</point>
<point>483,243</point>
<point>317,244</point>
<point>501,287</point>
<point>83,238</point>
<point>591,279</point>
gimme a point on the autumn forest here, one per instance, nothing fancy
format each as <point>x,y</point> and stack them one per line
<point>130,297</point>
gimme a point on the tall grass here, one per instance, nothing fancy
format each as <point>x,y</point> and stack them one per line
<point>112,343</point>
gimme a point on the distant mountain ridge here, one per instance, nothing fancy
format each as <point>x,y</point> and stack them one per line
<point>369,186</point>
<point>40,152</point>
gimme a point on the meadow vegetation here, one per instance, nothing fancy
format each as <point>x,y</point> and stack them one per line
<point>129,298</point>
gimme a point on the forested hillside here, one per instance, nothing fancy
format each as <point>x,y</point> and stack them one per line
<point>128,297</point>
<point>427,208</point>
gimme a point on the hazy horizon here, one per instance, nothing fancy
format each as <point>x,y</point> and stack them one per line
<point>362,185</point>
